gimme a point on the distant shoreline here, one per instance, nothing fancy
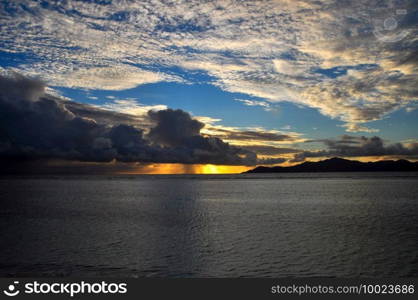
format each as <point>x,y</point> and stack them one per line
<point>342,165</point>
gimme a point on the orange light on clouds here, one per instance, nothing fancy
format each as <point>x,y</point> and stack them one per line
<point>186,169</point>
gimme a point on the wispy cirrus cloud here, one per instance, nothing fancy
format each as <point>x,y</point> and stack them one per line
<point>276,50</point>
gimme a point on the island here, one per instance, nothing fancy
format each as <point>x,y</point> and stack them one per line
<point>337,164</point>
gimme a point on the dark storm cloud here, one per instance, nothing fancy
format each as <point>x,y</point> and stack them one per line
<point>352,146</point>
<point>32,126</point>
<point>177,131</point>
<point>173,127</point>
<point>35,126</point>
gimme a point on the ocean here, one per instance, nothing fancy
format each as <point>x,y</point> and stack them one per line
<point>247,225</point>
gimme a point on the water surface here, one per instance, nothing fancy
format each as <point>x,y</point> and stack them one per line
<point>253,225</point>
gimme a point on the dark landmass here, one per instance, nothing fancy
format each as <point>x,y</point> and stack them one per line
<point>343,165</point>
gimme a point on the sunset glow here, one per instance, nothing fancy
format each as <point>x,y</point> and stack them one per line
<point>187,169</point>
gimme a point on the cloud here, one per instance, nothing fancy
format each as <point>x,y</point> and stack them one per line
<point>272,161</point>
<point>364,96</point>
<point>291,68</point>
<point>130,107</point>
<point>353,146</point>
<point>177,130</point>
<point>249,136</point>
<point>278,50</point>
<point>104,116</point>
<point>265,105</point>
<point>255,135</point>
<point>34,125</point>
<point>117,77</point>
<point>271,150</point>
<point>173,127</point>
<point>355,127</point>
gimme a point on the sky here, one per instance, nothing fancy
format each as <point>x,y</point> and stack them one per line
<point>207,86</point>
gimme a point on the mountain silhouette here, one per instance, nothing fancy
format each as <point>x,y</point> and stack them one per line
<point>337,164</point>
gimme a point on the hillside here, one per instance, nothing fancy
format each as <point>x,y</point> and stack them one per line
<point>343,165</point>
